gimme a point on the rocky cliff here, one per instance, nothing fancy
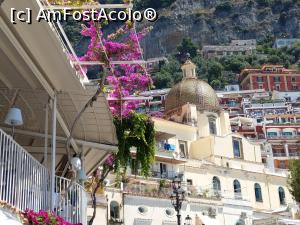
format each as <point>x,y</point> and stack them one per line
<point>220,21</point>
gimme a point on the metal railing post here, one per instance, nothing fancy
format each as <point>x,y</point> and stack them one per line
<point>53,152</point>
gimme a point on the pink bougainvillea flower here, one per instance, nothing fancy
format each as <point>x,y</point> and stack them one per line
<point>124,79</point>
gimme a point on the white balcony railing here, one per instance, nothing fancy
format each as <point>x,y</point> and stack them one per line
<point>25,184</point>
<point>23,180</point>
<point>70,203</point>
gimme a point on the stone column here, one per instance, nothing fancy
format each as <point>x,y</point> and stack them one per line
<point>251,82</point>
<point>285,83</point>
<point>286,148</point>
<point>270,159</point>
<point>268,79</point>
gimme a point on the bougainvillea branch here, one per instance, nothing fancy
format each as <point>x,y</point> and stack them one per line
<point>125,79</point>
<point>133,130</point>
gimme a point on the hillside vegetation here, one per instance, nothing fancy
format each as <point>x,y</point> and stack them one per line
<point>223,71</point>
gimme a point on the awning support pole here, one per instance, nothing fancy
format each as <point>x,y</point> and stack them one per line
<point>46,137</point>
<point>53,196</point>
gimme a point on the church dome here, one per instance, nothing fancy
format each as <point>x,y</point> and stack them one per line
<point>191,90</point>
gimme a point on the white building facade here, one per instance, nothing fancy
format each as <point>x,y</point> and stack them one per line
<point>222,173</point>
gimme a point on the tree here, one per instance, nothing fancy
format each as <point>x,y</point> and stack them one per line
<point>187,46</point>
<point>201,69</point>
<point>266,42</point>
<point>169,74</point>
<point>294,179</point>
<point>294,50</point>
<point>162,80</point>
<point>216,84</point>
<point>214,71</point>
<point>234,63</point>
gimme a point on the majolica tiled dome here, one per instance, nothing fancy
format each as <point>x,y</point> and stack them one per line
<point>191,90</point>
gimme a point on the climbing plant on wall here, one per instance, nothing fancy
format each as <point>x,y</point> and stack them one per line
<point>135,131</point>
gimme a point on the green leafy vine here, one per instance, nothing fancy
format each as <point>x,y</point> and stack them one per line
<point>137,131</point>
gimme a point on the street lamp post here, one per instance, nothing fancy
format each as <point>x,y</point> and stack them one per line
<point>177,197</point>
<point>188,220</point>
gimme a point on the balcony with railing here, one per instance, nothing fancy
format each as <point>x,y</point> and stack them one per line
<point>231,105</point>
<point>148,189</point>
<point>157,190</point>
<point>203,193</point>
<point>257,105</point>
<point>192,193</point>
<point>243,129</point>
<point>279,154</point>
<point>282,136</point>
<point>155,174</point>
<point>167,153</point>
<point>162,146</point>
<point>164,175</point>
<point>294,154</point>
<point>25,184</point>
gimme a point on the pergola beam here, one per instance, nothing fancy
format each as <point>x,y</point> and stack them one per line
<point>12,58</point>
<point>117,62</point>
<point>38,150</point>
<point>100,146</point>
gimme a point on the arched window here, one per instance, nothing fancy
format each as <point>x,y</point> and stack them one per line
<point>257,190</point>
<point>216,184</point>
<point>237,189</point>
<point>114,210</point>
<point>281,194</point>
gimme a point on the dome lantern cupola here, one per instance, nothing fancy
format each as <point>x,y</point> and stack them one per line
<point>189,69</point>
